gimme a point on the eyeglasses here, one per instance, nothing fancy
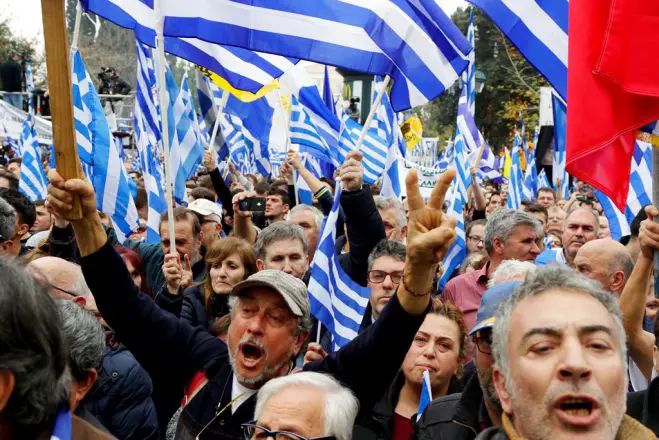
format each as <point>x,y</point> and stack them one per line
<point>483,341</point>
<point>252,431</point>
<point>378,276</point>
<point>475,238</point>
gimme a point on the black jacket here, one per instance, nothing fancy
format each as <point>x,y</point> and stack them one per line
<point>452,417</point>
<point>171,348</point>
<point>189,306</point>
<point>644,406</point>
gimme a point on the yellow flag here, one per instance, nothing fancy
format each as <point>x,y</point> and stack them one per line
<point>243,95</point>
<point>506,165</point>
<point>412,132</point>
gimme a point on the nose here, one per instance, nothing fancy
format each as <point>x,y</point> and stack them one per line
<point>388,283</point>
<point>574,367</point>
<point>429,350</point>
<point>288,267</point>
<point>256,324</point>
<point>535,249</point>
<point>479,245</point>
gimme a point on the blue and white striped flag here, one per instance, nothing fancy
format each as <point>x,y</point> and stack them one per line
<point>413,42</point>
<point>385,123</point>
<point>209,95</point>
<point>391,179</point>
<point>560,141</point>
<point>113,195</point>
<point>11,142</point>
<point>516,177</point>
<point>543,180</point>
<point>33,182</point>
<point>538,28</point>
<point>336,300</point>
<point>327,92</point>
<point>426,394</point>
<point>277,158</point>
<point>29,86</point>
<point>305,134</point>
<point>305,195</point>
<point>530,184</point>
<point>145,90</point>
<point>490,166</point>
<point>374,149</point>
<point>618,223</point>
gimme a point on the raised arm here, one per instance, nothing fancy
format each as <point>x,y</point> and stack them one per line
<point>314,183</point>
<point>221,189</point>
<point>243,226</point>
<point>479,197</point>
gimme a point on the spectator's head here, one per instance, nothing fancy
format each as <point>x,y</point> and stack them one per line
<point>187,232</point>
<point>280,184</point>
<point>44,219</point>
<point>475,235</point>
<point>652,306</point>
<point>560,357</point>
<point>205,181</point>
<point>310,219</point>
<point>10,243</point>
<point>142,203</point>
<point>540,213</point>
<point>261,189</point>
<point>581,226</point>
<point>511,270</point>
<point>311,405</point>
<point>135,267</point>
<point>481,335</point>
<point>277,205</point>
<point>556,221</point>
<point>209,215</point>
<point>385,272</point>
<point>439,347</point>
<point>8,180</point>
<point>472,262</point>
<point>512,235</point>
<point>546,197</point>
<point>14,166</point>
<point>283,246</point>
<point>85,338</point>
<point>270,321</point>
<point>202,193</point>
<point>607,262</point>
<point>26,214</point>
<point>228,262</point>
<point>555,241</point>
<point>604,230</point>
<point>494,202</point>
<point>33,359</point>
<point>393,216</point>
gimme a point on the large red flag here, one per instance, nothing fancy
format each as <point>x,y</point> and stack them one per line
<point>613,88</point>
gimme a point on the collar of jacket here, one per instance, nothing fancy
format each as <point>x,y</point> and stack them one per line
<point>383,410</point>
<point>467,408</point>
<point>199,267</point>
<point>629,429</point>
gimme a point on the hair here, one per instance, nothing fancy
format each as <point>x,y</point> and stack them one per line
<point>205,182</point>
<point>277,231</point>
<point>33,349</point>
<point>387,248</point>
<point>17,160</point>
<point>382,202</point>
<point>218,252</point>
<point>475,260</point>
<point>25,210</point>
<point>317,214</point>
<point>182,214</point>
<point>190,184</point>
<point>7,220</point>
<point>262,187</point>
<point>502,222</point>
<point>470,225</point>
<point>141,198</point>
<point>279,193</point>
<point>200,192</point>
<point>622,261</point>
<point>341,406</point>
<point>11,178</point>
<point>278,183</point>
<point>492,194</point>
<point>510,270</point>
<point>136,261</point>
<point>545,278</point>
<point>546,189</point>
<point>453,313</point>
<point>538,209</point>
<point>84,336</point>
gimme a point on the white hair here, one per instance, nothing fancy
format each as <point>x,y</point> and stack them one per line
<point>382,202</point>
<point>511,270</point>
<point>341,406</point>
<point>317,214</point>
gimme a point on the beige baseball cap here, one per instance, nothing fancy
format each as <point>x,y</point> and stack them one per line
<point>292,289</point>
<point>207,209</point>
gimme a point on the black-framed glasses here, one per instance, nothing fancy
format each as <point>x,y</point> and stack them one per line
<point>378,276</point>
<point>252,431</point>
<point>483,341</point>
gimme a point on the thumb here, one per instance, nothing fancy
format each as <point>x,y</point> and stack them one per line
<point>79,186</point>
<point>355,154</point>
<point>652,212</point>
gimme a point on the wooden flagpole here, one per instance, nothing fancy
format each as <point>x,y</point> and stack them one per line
<point>61,99</point>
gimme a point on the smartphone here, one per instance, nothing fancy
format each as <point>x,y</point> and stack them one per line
<point>253,204</point>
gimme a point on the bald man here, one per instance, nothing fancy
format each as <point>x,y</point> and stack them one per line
<point>606,261</point>
<point>65,279</point>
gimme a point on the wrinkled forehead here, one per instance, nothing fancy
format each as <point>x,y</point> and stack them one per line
<point>284,247</point>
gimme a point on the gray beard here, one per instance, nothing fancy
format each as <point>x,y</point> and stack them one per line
<point>258,381</point>
<point>489,392</point>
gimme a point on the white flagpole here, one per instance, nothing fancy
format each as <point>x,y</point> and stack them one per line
<point>371,114</point>
<point>76,27</point>
<point>164,104</point>
<point>220,110</point>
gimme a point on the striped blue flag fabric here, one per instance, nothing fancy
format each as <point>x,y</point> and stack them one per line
<point>242,69</point>
<point>391,178</point>
<point>457,201</point>
<point>327,92</point>
<point>539,30</point>
<point>110,180</point>
<point>385,123</point>
<point>33,182</point>
<point>11,142</point>
<point>209,96</point>
<point>618,223</point>
<point>305,195</point>
<point>530,183</point>
<point>305,134</point>
<point>426,394</point>
<point>277,158</point>
<point>543,180</point>
<point>560,147</point>
<point>29,85</point>
<point>374,149</point>
<point>145,90</point>
<point>516,177</point>
<point>412,41</point>
<point>490,166</point>
<point>336,300</point>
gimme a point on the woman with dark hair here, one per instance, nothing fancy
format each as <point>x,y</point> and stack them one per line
<point>135,267</point>
<point>228,262</point>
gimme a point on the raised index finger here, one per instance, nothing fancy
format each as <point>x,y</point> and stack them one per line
<point>436,200</point>
<point>414,199</point>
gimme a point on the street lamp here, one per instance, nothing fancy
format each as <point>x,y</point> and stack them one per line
<point>480,81</point>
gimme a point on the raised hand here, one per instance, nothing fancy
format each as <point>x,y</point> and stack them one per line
<point>648,235</point>
<point>351,172</point>
<point>210,159</point>
<point>294,159</point>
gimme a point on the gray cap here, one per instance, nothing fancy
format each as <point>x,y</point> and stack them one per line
<point>292,289</point>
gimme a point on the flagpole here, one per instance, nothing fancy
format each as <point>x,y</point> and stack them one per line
<point>371,114</point>
<point>216,125</point>
<point>655,195</point>
<point>76,27</point>
<point>164,104</point>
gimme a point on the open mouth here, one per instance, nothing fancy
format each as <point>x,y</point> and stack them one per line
<point>578,410</point>
<point>251,354</point>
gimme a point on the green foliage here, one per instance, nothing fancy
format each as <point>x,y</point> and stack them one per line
<point>512,86</point>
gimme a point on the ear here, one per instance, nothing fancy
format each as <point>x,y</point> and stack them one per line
<point>82,388</point>
<point>618,281</point>
<point>299,341</point>
<point>80,300</point>
<point>23,229</point>
<point>7,383</point>
<point>404,231</point>
<point>499,381</point>
<point>286,207</point>
<point>260,264</point>
<point>498,245</point>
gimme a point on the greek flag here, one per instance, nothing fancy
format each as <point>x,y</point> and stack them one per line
<point>242,69</point>
<point>305,194</point>
<point>327,92</point>
<point>305,134</point>
<point>391,178</point>
<point>515,183</point>
<point>277,158</point>
<point>530,183</point>
<point>113,195</point>
<point>11,142</point>
<point>543,180</point>
<point>385,122</point>
<point>29,85</point>
<point>33,181</point>
<point>145,90</point>
<point>618,223</point>
<point>458,199</point>
<point>426,394</point>
<point>490,166</point>
<point>336,301</point>
<point>374,149</point>
<point>209,96</point>
<point>538,28</point>
<point>560,142</point>
<point>414,42</point>
<point>640,180</point>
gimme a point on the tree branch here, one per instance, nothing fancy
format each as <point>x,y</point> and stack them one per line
<point>517,73</point>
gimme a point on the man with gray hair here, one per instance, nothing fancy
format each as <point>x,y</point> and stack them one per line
<point>511,270</point>
<point>10,244</point>
<point>283,246</point>
<point>393,216</point>
<point>560,361</point>
<point>309,405</point>
<point>509,234</point>
<point>581,226</point>
<point>310,219</point>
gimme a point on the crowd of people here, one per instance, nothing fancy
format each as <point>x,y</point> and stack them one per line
<point>546,331</point>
